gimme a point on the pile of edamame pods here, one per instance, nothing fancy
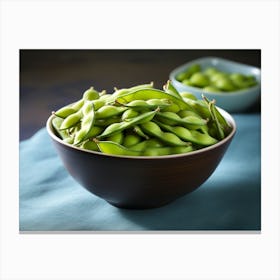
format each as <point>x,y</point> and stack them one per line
<point>213,80</point>
<point>140,121</point>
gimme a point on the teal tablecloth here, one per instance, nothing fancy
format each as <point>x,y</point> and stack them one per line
<point>50,200</point>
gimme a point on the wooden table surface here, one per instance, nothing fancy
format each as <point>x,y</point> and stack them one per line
<point>50,79</point>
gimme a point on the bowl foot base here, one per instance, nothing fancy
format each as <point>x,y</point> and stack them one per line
<point>138,206</point>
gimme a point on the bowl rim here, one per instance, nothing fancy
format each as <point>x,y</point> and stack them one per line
<point>174,72</point>
<point>225,114</point>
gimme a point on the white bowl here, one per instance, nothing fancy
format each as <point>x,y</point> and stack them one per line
<point>235,101</point>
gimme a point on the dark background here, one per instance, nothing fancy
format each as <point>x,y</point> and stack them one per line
<point>50,79</point>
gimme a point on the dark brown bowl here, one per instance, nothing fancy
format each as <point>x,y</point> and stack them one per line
<point>141,182</point>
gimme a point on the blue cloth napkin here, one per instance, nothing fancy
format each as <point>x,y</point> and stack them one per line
<point>50,199</point>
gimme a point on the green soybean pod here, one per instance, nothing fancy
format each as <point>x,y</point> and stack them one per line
<point>106,122</point>
<point>190,135</point>
<point>65,112</point>
<point>200,107</point>
<point>124,91</point>
<point>176,119</point>
<point>137,129</point>
<point>129,114</point>
<point>136,104</point>
<point>250,81</point>
<point>217,76</point>
<point>69,140</point>
<point>106,97</point>
<point>199,80</point>
<point>169,88</point>
<point>131,139</point>
<point>150,104</point>
<point>86,123</point>
<point>188,72</point>
<point>215,127</point>
<point>224,84</point>
<point>109,111</point>
<point>188,95</point>
<point>56,123</point>
<point>71,120</point>
<point>90,94</point>
<point>112,148</point>
<point>187,82</point>
<point>117,127</point>
<point>221,132</point>
<point>74,129</point>
<point>98,103</point>
<point>150,143</point>
<point>78,105</point>
<point>110,130</point>
<point>142,86</point>
<point>187,113</point>
<point>182,76</point>
<point>211,89</point>
<point>210,71</point>
<point>94,131</point>
<point>154,130</point>
<point>146,94</point>
<point>222,121</point>
<point>117,138</point>
<point>90,145</point>
<point>161,103</point>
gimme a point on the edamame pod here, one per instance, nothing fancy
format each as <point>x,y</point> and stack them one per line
<point>117,127</point>
<point>169,88</point>
<point>71,120</point>
<point>94,131</point>
<point>199,106</point>
<point>98,103</point>
<point>150,143</point>
<point>109,111</point>
<point>65,112</point>
<point>190,135</point>
<point>106,122</point>
<point>137,129</point>
<point>78,105</point>
<point>215,112</point>
<point>220,131</point>
<point>56,123</point>
<point>154,130</point>
<point>146,94</point>
<point>186,74</point>
<point>199,80</point>
<point>131,139</point>
<point>117,138</point>
<point>86,124</point>
<point>90,94</point>
<point>112,148</point>
<point>150,104</point>
<point>188,95</point>
<point>175,119</point>
<point>124,91</point>
<point>90,145</point>
<point>129,114</point>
